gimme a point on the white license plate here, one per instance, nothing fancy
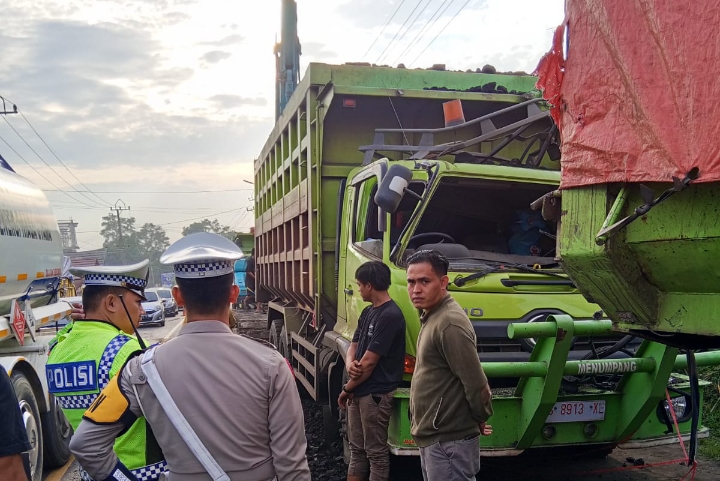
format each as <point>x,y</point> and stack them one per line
<point>571,411</point>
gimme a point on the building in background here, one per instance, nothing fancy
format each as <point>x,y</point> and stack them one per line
<point>68,235</point>
<point>86,259</point>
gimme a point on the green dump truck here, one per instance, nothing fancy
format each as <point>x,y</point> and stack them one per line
<point>640,186</point>
<point>560,376</point>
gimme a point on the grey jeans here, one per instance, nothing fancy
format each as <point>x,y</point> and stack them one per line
<point>368,419</point>
<point>451,460</point>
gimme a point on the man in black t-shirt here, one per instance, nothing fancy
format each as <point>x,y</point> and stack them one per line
<point>14,440</point>
<point>374,363</point>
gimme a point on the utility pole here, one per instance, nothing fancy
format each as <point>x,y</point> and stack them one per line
<point>118,207</point>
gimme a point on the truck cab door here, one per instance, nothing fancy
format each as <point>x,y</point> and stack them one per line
<point>365,242</point>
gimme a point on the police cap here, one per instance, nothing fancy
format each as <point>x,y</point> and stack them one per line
<point>132,277</point>
<point>202,255</point>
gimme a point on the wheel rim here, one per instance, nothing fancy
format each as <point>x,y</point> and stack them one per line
<point>31,428</point>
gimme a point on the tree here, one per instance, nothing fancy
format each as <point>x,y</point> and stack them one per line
<point>119,252</point>
<point>207,225</point>
<point>111,231</point>
<point>152,238</point>
<point>148,242</point>
<point>152,241</point>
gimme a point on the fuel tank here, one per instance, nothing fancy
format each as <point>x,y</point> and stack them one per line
<point>30,245</point>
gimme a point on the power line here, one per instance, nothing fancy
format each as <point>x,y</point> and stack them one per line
<point>399,30</point>
<point>412,24</point>
<point>168,210</point>
<point>240,220</point>
<point>61,162</point>
<point>103,201</point>
<point>42,176</point>
<point>156,191</point>
<point>441,31</point>
<point>45,162</point>
<point>383,29</point>
<point>426,28</point>
<point>202,217</point>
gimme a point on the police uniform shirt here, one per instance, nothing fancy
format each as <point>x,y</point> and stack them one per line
<point>238,395</point>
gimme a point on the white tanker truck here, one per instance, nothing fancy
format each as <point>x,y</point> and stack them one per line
<point>30,272</point>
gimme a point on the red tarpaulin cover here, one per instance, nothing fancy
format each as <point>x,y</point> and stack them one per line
<point>638,97</point>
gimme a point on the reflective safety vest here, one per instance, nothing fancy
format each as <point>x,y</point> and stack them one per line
<point>81,362</point>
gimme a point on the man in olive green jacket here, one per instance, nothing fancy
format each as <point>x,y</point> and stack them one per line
<point>450,399</point>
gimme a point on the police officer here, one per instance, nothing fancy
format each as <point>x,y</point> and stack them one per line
<point>90,351</point>
<point>223,406</point>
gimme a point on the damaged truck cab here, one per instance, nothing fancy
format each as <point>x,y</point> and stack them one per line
<point>560,376</point>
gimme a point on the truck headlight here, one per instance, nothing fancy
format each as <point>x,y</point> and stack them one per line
<point>682,407</point>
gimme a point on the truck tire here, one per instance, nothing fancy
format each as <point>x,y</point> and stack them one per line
<point>31,419</point>
<point>278,337</point>
<point>284,347</point>
<point>57,432</point>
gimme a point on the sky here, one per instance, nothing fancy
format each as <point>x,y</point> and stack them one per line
<point>152,103</point>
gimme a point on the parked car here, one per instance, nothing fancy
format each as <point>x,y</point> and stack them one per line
<point>154,310</point>
<point>165,294</point>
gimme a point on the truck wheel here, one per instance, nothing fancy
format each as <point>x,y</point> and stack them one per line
<point>284,347</point>
<point>57,432</point>
<point>277,337</point>
<point>31,420</point>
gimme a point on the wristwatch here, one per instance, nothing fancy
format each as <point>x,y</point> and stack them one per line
<point>346,389</point>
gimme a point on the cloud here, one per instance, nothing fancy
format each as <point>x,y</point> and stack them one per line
<point>173,18</point>
<point>163,94</point>
<point>101,50</point>
<point>231,101</point>
<point>233,39</point>
<point>317,51</point>
<point>215,56</point>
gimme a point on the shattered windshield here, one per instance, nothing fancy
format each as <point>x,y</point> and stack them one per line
<point>476,222</point>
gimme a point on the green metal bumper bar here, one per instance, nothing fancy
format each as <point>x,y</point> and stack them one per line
<point>576,368</point>
<point>642,386</point>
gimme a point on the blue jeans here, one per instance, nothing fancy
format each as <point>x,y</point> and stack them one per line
<point>451,460</point>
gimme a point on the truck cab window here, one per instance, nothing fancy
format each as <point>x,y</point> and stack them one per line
<point>401,217</point>
<point>366,235</point>
<point>471,220</point>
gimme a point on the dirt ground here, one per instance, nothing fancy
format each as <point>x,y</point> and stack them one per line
<point>615,467</point>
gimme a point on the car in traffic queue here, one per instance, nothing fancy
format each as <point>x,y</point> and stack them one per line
<point>154,310</point>
<point>165,295</point>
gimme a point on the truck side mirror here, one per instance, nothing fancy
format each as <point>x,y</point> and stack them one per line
<point>392,188</point>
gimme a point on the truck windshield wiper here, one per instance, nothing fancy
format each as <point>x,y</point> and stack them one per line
<point>504,266</point>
